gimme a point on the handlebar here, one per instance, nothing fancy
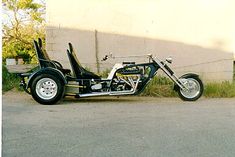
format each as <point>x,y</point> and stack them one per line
<point>150,56</point>
<point>105,58</point>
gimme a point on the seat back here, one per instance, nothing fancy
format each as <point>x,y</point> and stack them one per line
<point>43,60</point>
<point>75,64</point>
<point>78,70</point>
<point>44,52</point>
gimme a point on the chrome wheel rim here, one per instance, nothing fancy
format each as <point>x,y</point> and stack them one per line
<point>46,88</point>
<point>193,88</point>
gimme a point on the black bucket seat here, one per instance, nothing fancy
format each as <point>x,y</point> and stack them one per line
<point>45,61</point>
<point>78,70</point>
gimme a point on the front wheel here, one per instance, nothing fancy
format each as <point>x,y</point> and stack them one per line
<point>194,88</point>
<point>47,89</point>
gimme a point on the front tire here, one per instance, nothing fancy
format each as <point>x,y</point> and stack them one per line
<point>47,89</point>
<point>195,88</point>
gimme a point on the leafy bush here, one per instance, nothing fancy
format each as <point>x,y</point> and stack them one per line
<point>9,81</point>
<point>25,21</point>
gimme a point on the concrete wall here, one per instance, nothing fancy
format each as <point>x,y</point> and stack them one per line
<point>211,64</point>
<point>63,26</point>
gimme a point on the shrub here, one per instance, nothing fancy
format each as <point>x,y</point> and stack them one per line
<point>9,81</point>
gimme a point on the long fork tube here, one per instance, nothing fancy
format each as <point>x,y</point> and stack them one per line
<point>173,77</point>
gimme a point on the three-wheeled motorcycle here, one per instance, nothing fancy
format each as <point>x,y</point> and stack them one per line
<point>51,82</point>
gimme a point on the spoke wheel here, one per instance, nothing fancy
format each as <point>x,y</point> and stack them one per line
<point>194,89</point>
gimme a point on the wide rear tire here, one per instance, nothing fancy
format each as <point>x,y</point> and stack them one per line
<point>47,89</point>
<point>195,86</point>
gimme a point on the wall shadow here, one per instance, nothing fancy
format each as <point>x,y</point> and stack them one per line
<point>211,64</point>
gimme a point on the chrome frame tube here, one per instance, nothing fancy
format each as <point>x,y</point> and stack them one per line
<point>114,93</point>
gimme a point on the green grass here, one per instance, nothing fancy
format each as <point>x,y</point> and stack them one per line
<point>163,87</point>
<point>9,81</point>
<point>160,87</point>
<point>219,90</point>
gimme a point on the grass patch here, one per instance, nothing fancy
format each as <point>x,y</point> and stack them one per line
<point>219,90</point>
<point>9,81</point>
<point>160,87</point>
<point>163,87</point>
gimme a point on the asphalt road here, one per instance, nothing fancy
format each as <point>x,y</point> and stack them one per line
<point>118,127</point>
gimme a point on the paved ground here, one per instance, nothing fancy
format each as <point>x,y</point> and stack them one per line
<point>119,127</point>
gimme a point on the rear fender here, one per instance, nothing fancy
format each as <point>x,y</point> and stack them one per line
<point>192,75</point>
<point>47,70</point>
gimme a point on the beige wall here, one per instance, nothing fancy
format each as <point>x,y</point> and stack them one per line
<point>198,34</point>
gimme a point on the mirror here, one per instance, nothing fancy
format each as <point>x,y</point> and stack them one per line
<point>169,60</point>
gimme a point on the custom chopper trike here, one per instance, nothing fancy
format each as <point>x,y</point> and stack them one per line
<point>51,82</point>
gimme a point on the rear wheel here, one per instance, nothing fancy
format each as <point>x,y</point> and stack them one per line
<point>194,88</point>
<point>47,89</point>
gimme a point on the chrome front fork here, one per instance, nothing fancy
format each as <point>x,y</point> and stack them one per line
<point>171,75</point>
